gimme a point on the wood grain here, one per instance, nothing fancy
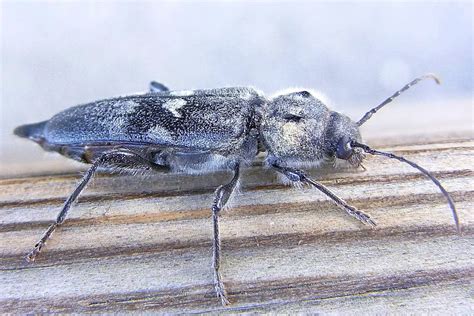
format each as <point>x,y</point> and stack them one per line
<point>144,243</point>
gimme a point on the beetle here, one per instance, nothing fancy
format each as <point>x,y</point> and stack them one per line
<point>196,131</point>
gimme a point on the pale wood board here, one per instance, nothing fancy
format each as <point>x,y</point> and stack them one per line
<point>144,243</point>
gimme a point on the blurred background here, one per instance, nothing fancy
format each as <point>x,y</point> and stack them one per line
<point>55,54</point>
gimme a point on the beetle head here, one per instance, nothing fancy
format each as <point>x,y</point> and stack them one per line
<point>341,132</point>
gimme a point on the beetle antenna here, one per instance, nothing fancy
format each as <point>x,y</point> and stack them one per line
<point>369,150</point>
<point>369,114</point>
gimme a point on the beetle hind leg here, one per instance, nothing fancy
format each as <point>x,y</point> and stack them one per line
<point>123,156</point>
<point>221,197</point>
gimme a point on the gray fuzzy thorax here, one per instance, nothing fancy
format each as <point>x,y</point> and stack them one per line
<point>297,128</point>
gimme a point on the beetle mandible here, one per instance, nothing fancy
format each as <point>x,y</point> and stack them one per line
<point>199,131</point>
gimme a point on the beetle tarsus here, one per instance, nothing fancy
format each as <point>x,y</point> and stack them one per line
<point>364,218</point>
<point>220,289</point>
<point>31,257</point>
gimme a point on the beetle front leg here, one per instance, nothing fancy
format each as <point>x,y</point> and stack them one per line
<point>221,197</point>
<point>296,175</point>
<point>123,156</point>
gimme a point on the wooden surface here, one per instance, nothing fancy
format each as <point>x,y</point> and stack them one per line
<point>144,243</point>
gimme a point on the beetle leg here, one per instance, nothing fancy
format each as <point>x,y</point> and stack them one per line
<point>221,197</point>
<point>296,175</point>
<point>121,155</point>
<point>158,87</point>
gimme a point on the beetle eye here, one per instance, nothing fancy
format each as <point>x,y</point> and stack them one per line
<point>344,149</point>
<point>292,117</point>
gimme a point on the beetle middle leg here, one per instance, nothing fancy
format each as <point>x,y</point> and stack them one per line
<point>221,197</point>
<point>296,175</point>
<point>117,157</point>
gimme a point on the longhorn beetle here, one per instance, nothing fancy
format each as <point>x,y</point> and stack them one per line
<point>199,131</point>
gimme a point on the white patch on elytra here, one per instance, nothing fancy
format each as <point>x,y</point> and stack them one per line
<point>160,133</point>
<point>182,93</point>
<point>127,107</point>
<point>174,105</point>
<point>117,122</point>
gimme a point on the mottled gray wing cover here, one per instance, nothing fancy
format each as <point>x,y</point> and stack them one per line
<point>208,120</point>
